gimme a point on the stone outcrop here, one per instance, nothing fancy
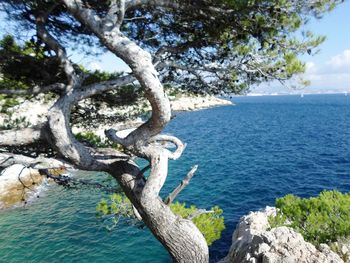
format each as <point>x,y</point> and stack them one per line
<point>17,184</point>
<point>32,112</point>
<point>254,242</point>
<point>189,103</point>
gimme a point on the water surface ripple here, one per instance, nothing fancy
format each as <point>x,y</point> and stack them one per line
<point>248,154</point>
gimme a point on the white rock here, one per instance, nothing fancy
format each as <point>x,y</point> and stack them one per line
<point>253,239</point>
<point>188,103</point>
<point>34,111</point>
<point>17,183</point>
<point>10,175</point>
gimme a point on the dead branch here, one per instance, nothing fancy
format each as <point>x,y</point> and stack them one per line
<point>71,182</point>
<point>180,147</point>
<point>199,212</point>
<point>181,186</point>
<point>8,159</point>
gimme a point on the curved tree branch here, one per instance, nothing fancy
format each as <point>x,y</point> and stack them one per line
<point>8,159</point>
<point>42,132</point>
<point>60,135</point>
<point>22,136</point>
<point>141,65</point>
<point>144,195</point>
<point>158,174</point>
<point>180,147</point>
<point>35,90</point>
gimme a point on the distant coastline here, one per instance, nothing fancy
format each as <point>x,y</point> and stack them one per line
<point>345,93</point>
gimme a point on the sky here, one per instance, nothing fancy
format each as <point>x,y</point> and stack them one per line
<point>328,70</point>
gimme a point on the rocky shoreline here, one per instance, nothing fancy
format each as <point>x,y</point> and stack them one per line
<point>33,111</point>
<point>190,103</point>
<point>254,242</point>
<point>18,183</point>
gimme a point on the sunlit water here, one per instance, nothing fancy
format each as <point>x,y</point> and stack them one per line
<point>248,154</point>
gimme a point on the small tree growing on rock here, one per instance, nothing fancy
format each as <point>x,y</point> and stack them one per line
<point>205,46</point>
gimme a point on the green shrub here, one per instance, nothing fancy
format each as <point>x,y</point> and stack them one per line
<point>7,102</point>
<point>210,224</point>
<point>17,123</point>
<point>98,76</point>
<point>117,204</point>
<point>91,138</point>
<point>321,219</point>
<point>94,140</point>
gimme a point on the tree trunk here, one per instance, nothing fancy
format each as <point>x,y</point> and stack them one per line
<point>182,239</point>
<point>179,236</point>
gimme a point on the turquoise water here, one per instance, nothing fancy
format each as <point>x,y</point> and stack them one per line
<point>248,154</point>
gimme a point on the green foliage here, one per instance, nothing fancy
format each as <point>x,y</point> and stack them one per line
<point>7,102</point>
<point>176,92</point>
<point>293,64</point>
<point>252,39</point>
<point>122,96</point>
<point>26,65</point>
<point>94,140</point>
<point>91,138</point>
<point>210,224</point>
<point>6,83</point>
<point>321,219</point>
<point>118,204</point>
<point>98,76</point>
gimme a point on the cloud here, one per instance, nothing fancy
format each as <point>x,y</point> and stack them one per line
<point>94,66</point>
<point>333,75</point>
<point>311,67</point>
<point>109,63</point>
<point>340,61</point>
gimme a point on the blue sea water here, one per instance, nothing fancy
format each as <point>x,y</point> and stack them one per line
<point>248,154</point>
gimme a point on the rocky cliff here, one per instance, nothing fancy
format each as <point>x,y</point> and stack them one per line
<point>254,242</point>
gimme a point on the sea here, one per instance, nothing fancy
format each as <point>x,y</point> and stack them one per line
<point>248,155</point>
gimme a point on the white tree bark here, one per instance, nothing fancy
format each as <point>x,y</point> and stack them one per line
<point>184,242</point>
<point>179,236</point>
<point>8,159</point>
